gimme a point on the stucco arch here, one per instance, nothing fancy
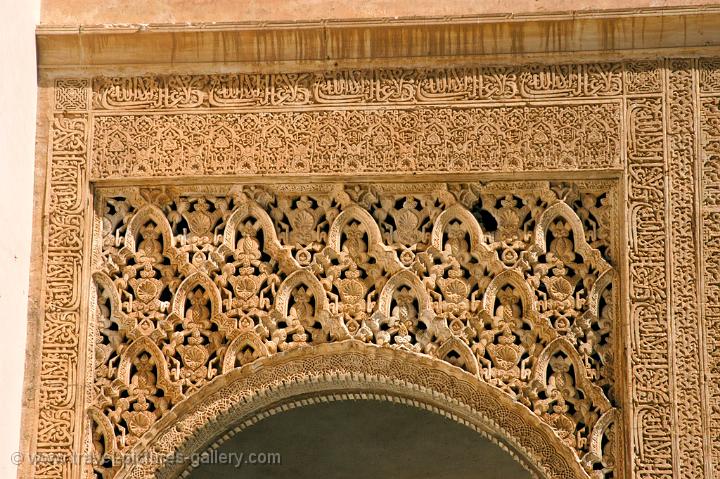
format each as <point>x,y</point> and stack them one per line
<point>348,369</point>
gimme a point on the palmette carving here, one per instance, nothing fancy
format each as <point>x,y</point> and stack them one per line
<point>195,283</point>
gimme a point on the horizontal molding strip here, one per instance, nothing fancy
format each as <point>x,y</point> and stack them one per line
<point>275,46</point>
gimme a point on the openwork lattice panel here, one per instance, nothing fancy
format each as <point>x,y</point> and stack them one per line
<point>512,282</point>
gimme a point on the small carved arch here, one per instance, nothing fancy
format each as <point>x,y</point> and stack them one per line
<point>354,212</point>
<point>146,345</point>
<point>198,278</point>
<point>562,345</point>
<point>246,339</point>
<point>147,213</point>
<point>110,291</point>
<point>595,440</point>
<point>527,300</point>
<point>105,428</point>
<point>464,359</point>
<point>601,283</point>
<point>561,209</point>
<point>460,213</point>
<point>516,280</point>
<point>404,278</point>
<point>300,278</point>
<point>250,209</point>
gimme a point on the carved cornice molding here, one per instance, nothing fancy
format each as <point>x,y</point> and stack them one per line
<point>276,46</point>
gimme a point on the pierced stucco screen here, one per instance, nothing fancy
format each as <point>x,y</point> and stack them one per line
<point>530,250</point>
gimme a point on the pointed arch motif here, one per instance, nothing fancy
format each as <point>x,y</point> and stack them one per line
<point>603,281</point>
<point>201,279</point>
<point>105,428</point>
<point>135,349</point>
<point>110,291</point>
<point>300,278</point>
<point>404,278</point>
<point>516,280</point>
<point>460,213</point>
<point>562,345</point>
<point>353,212</point>
<point>149,212</point>
<point>527,299</point>
<point>250,209</point>
<point>463,350</point>
<point>247,338</point>
<point>561,209</point>
<point>595,453</point>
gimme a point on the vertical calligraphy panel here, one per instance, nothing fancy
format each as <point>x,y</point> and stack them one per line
<point>650,380</point>
<point>62,269</point>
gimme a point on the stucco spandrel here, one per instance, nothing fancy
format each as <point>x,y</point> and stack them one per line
<point>224,241</point>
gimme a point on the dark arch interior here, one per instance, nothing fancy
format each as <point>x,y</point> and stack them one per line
<point>359,439</point>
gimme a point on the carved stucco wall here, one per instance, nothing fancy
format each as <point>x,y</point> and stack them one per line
<point>643,134</point>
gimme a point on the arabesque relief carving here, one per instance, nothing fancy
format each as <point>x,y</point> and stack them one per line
<point>192,284</point>
<point>530,287</point>
<point>462,119</point>
<point>430,140</point>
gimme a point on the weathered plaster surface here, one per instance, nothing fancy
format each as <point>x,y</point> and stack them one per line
<point>87,12</point>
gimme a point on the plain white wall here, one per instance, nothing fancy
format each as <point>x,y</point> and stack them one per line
<point>18,93</point>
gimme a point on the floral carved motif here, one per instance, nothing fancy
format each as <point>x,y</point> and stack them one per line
<point>428,140</point>
<point>183,299</point>
<point>710,240</point>
<point>193,284</point>
<point>461,119</point>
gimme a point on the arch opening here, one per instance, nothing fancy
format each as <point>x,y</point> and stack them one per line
<point>347,370</point>
<point>342,437</point>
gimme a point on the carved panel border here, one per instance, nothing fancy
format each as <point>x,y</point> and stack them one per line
<point>708,222</point>
<point>657,121</point>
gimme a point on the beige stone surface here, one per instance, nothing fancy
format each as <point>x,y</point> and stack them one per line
<point>392,43</point>
<point>90,12</point>
<point>285,225</point>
